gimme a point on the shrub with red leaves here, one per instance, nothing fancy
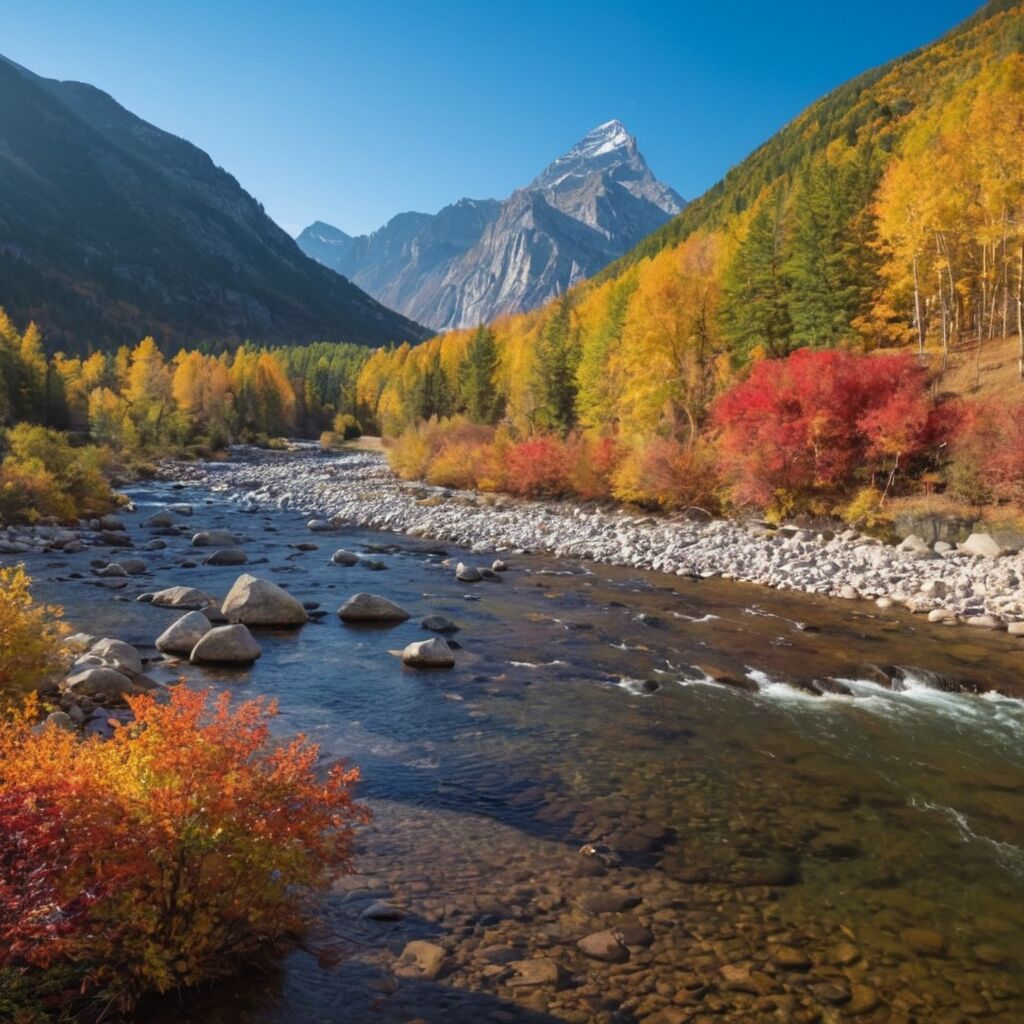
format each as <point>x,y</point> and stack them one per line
<point>539,468</point>
<point>36,916</point>
<point>808,425</point>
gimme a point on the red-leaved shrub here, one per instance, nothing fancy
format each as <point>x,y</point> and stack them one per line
<point>539,468</point>
<point>809,425</point>
<point>988,455</point>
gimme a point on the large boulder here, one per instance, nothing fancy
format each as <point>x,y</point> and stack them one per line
<point>118,654</point>
<point>371,608</point>
<point>257,602</point>
<point>433,653</point>
<point>181,597</point>
<point>183,634</point>
<point>214,539</point>
<point>982,545</point>
<point>232,645</point>
<point>100,682</point>
<point>227,556</point>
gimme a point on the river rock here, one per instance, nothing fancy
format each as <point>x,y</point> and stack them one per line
<point>118,654</point>
<point>180,509</point>
<point>343,557</point>
<point>420,959</point>
<point>59,720</point>
<point>319,525</point>
<point>226,645</point>
<point>442,624</point>
<point>467,573</point>
<point>258,602</point>
<point>98,683</point>
<point>371,608</point>
<point>227,556</point>
<point>498,566</point>
<point>924,940</point>
<point>1015,629</point>
<point>433,653</point>
<point>603,946</point>
<point>181,636</point>
<point>111,522</point>
<point>112,569</point>
<point>382,911</point>
<point>214,539</point>
<point>79,643</point>
<point>981,545</point>
<point>984,621</point>
<point>863,999</point>
<point>539,971</point>
<point>181,597</point>
<point>159,520</point>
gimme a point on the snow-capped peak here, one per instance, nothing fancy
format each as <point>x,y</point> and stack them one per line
<point>605,138</point>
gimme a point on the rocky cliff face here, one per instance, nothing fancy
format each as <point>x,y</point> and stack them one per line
<point>111,229</point>
<point>478,259</point>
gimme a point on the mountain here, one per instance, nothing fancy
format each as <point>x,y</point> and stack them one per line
<point>478,259</point>
<point>111,229</point>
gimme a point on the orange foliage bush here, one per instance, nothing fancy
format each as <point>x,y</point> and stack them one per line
<point>670,475</point>
<point>988,456</point>
<point>185,844</point>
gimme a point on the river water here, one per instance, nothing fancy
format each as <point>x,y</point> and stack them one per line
<point>771,854</point>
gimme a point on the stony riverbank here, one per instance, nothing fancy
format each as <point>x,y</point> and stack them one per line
<point>977,584</point>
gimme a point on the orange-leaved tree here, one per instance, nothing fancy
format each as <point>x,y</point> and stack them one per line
<point>196,837</point>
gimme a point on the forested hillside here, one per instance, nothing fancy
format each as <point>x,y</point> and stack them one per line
<point>888,215</point>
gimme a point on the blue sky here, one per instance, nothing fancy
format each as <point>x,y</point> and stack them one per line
<point>351,112</point>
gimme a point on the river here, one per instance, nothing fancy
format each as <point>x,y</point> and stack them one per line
<point>769,853</point>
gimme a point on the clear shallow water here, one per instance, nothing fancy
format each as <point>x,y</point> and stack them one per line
<point>879,834</point>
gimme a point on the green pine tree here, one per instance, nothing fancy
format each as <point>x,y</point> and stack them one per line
<point>832,266</point>
<point>755,289</point>
<point>478,393</point>
<point>555,373</point>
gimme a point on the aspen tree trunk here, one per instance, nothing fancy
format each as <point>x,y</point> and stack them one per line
<point>1020,307</point>
<point>917,313</point>
<point>942,305</point>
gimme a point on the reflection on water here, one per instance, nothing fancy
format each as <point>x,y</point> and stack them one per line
<point>769,852</point>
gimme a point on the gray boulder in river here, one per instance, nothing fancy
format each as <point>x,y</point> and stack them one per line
<point>180,597</point>
<point>433,653</point>
<point>214,539</point>
<point>227,556</point>
<point>117,654</point>
<point>257,602</point>
<point>226,645</point>
<point>371,608</point>
<point>181,636</point>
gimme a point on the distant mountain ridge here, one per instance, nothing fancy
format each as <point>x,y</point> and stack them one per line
<point>111,229</point>
<point>478,259</point>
